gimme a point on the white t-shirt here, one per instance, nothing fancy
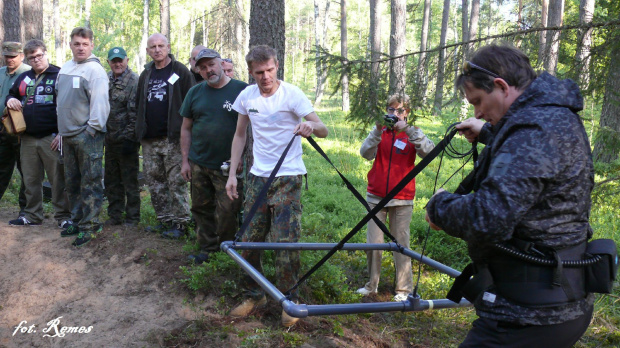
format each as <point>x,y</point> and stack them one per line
<point>273,120</point>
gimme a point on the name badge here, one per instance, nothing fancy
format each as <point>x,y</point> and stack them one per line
<point>76,82</point>
<point>400,144</point>
<point>27,80</point>
<point>173,79</point>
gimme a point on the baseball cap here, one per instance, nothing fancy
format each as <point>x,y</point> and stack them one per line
<point>117,52</point>
<point>11,48</point>
<point>207,53</point>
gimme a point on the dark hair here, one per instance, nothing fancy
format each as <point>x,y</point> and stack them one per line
<point>82,32</point>
<point>33,45</point>
<point>512,65</point>
<point>261,54</point>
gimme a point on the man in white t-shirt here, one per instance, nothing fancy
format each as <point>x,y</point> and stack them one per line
<point>275,110</point>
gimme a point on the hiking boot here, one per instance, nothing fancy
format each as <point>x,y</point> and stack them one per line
<point>70,231</point>
<point>112,222</point>
<point>287,320</point>
<point>199,258</point>
<point>64,224</point>
<point>400,297</point>
<point>365,292</point>
<point>247,306</point>
<point>23,221</point>
<point>82,239</point>
<point>162,226</point>
<point>177,231</point>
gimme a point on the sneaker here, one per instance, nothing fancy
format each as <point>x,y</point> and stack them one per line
<point>23,221</point>
<point>157,228</point>
<point>400,297</point>
<point>287,320</point>
<point>82,239</point>
<point>176,232</point>
<point>247,306</point>
<point>365,292</point>
<point>70,231</point>
<point>199,258</point>
<point>64,224</point>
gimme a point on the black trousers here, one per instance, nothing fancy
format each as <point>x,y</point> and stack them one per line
<point>9,156</point>
<point>492,333</point>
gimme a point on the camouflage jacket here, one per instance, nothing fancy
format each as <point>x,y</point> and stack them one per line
<point>122,120</point>
<point>537,185</point>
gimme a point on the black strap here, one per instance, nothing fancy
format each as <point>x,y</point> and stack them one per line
<point>263,192</point>
<point>355,192</point>
<point>412,174</point>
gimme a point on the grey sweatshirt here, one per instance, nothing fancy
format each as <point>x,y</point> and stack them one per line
<point>82,100</point>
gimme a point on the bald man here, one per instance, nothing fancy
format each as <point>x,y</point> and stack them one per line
<point>192,62</point>
<point>161,89</point>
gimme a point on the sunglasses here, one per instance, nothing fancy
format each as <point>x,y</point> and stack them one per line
<point>469,66</point>
<point>227,60</point>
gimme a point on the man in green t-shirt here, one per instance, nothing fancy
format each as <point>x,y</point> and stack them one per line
<point>209,124</point>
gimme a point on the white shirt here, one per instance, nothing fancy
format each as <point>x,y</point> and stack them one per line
<point>273,120</point>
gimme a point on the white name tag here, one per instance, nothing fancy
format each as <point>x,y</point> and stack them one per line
<point>489,297</point>
<point>27,80</point>
<point>400,144</point>
<point>76,82</point>
<point>173,78</point>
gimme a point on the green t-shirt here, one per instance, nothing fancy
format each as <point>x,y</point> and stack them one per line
<point>215,122</point>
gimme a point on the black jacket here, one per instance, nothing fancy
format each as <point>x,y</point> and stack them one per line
<point>177,93</point>
<point>40,109</point>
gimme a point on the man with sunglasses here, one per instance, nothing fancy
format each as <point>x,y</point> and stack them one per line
<point>9,144</point>
<point>33,93</point>
<point>532,186</point>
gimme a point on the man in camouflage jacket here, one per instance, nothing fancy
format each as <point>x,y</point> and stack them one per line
<point>532,184</point>
<point>121,147</point>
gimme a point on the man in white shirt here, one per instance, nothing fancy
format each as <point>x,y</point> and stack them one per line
<point>275,110</point>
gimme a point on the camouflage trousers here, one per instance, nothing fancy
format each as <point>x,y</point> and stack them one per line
<point>162,166</point>
<point>279,220</point>
<point>121,180</point>
<point>83,154</point>
<point>215,214</point>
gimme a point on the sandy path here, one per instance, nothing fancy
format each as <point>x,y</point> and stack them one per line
<point>108,287</point>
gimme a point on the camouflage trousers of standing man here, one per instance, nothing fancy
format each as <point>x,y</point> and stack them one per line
<point>215,214</point>
<point>121,181</point>
<point>169,194</point>
<point>280,216</point>
<point>83,154</point>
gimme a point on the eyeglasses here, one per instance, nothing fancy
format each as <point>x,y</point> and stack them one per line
<point>35,58</point>
<point>399,111</point>
<point>227,60</point>
<point>468,66</point>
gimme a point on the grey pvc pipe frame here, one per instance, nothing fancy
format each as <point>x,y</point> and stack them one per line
<point>303,310</point>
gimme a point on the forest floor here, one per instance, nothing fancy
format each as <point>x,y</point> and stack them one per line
<point>123,289</point>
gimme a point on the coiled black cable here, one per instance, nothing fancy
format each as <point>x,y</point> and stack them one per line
<point>548,262</point>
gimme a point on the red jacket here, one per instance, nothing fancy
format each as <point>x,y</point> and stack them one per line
<point>394,169</point>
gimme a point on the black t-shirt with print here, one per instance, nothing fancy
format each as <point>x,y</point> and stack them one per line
<point>157,102</point>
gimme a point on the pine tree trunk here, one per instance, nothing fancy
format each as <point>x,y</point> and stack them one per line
<point>437,105</point>
<point>544,16</point>
<point>145,36</point>
<point>87,7</point>
<point>556,15</point>
<point>32,23</point>
<point>375,52</point>
<point>464,22</point>
<point>473,26</point>
<point>344,79</point>
<point>317,44</point>
<point>397,47</point>
<point>422,77</point>
<point>607,143</point>
<point>584,43</point>
<point>57,34</point>
<point>164,18</point>
<point>12,20</point>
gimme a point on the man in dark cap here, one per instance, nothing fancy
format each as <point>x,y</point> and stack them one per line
<point>9,145</point>
<point>121,147</point>
<point>207,112</point>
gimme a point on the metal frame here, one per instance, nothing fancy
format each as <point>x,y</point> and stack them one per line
<point>412,304</point>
